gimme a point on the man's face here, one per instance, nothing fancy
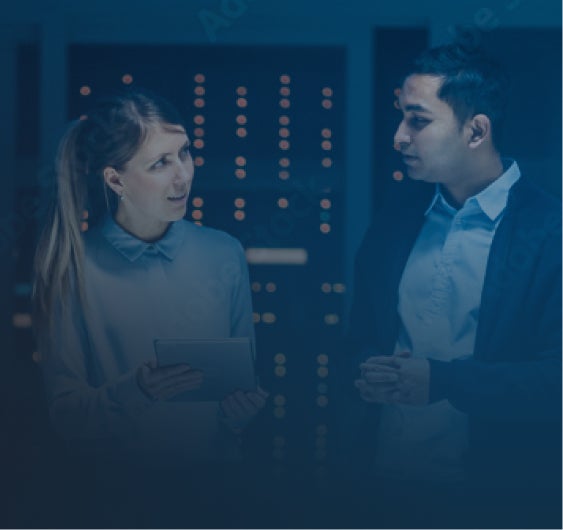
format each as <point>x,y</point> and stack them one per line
<point>433,145</point>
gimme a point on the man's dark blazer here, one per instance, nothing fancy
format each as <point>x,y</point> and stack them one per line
<point>511,388</point>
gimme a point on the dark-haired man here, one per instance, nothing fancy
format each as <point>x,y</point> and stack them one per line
<point>457,313</point>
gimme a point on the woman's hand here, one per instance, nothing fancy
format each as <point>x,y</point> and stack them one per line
<point>240,407</point>
<point>164,382</point>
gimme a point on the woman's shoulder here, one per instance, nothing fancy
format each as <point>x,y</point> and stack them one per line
<point>208,237</point>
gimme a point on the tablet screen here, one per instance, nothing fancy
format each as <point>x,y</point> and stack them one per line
<point>227,365</point>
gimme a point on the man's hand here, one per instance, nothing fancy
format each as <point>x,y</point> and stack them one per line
<point>164,382</point>
<point>239,408</point>
<point>396,379</point>
<point>378,381</point>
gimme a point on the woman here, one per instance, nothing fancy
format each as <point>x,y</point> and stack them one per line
<point>142,273</point>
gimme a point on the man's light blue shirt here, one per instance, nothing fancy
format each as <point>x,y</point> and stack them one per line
<point>439,302</point>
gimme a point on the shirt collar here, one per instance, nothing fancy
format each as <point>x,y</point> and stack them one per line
<point>492,200</point>
<point>132,248</point>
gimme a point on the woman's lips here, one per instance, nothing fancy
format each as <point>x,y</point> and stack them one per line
<point>177,197</point>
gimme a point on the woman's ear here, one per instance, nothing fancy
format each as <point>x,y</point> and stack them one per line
<point>113,180</point>
<point>480,130</point>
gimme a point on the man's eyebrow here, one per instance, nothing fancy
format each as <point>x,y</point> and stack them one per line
<point>416,108</point>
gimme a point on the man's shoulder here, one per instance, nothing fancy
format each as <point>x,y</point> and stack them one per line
<point>535,206</point>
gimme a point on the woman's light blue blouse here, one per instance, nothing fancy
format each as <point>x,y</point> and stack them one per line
<point>192,283</point>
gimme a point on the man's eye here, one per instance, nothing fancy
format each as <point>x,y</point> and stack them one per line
<point>185,152</point>
<point>419,122</point>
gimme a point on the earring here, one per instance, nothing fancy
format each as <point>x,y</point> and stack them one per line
<point>121,197</point>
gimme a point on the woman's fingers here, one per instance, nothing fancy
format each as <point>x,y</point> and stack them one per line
<point>167,381</point>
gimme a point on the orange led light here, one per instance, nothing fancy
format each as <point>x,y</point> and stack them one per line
<point>199,78</point>
<point>322,359</point>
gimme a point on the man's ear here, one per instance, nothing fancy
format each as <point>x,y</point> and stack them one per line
<point>113,180</point>
<point>479,130</point>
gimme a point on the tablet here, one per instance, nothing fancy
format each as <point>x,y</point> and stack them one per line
<point>227,365</point>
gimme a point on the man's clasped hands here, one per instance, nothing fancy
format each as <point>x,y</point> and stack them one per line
<point>398,378</point>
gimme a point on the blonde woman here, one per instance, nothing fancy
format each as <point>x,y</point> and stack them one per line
<point>141,273</point>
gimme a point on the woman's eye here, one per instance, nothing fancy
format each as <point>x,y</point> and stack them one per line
<point>160,163</point>
<point>185,152</point>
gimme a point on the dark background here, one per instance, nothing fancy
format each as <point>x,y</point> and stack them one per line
<point>49,50</point>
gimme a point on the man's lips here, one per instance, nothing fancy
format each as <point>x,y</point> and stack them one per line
<point>409,158</point>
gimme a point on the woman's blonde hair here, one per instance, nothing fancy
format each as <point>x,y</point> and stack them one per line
<point>109,136</point>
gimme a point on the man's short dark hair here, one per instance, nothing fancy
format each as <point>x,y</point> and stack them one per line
<point>473,82</point>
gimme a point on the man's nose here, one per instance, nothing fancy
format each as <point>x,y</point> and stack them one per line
<point>401,138</point>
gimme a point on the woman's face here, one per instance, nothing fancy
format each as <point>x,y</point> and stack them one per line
<point>155,184</point>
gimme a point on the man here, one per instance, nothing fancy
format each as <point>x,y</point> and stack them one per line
<point>456,318</point>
